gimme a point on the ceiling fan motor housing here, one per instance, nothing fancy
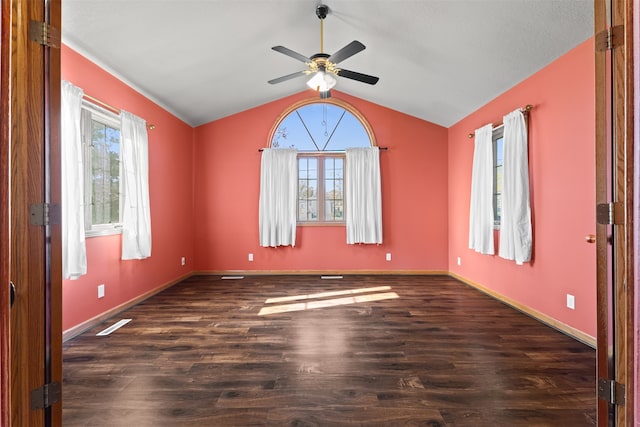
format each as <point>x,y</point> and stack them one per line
<point>322,11</point>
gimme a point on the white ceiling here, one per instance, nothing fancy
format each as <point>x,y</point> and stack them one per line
<point>438,60</point>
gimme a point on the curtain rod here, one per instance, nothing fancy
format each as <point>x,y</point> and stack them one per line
<point>109,107</point>
<point>380,148</point>
<point>525,110</point>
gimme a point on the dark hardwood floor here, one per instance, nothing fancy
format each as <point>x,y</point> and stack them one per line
<point>440,354</point>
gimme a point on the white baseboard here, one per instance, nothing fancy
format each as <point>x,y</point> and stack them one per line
<point>319,272</point>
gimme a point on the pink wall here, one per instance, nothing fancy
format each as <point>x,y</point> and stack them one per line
<point>414,197</point>
<point>562,180</point>
<point>171,198</point>
<point>205,187</point>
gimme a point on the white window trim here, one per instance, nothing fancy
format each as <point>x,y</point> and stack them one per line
<point>110,119</point>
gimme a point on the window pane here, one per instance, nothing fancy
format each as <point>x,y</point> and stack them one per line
<point>307,168</point>
<point>333,210</point>
<point>498,145</point>
<point>307,210</point>
<point>307,189</point>
<point>320,127</point>
<point>349,134</point>
<point>333,189</point>
<point>105,174</point>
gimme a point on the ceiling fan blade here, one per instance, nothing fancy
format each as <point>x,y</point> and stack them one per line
<point>291,53</point>
<point>347,51</point>
<point>365,78</point>
<point>287,77</point>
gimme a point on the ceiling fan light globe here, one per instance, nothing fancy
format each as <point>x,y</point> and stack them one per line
<point>322,81</point>
<point>329,80</point>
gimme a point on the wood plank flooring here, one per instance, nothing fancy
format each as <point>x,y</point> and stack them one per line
<point>440,354</point>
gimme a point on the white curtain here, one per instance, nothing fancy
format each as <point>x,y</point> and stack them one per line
<point>278,197</point>
<point>363,197</point>
<point>74,253</point>
<point>481,206</point>
<point>136,214</point>
<point>515,224</point>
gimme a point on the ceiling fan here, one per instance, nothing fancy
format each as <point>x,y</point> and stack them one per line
<point>323,66</point>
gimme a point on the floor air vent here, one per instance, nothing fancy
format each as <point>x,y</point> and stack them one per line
<point>119,324</point>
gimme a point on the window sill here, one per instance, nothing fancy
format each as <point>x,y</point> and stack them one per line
<point>322,224</point>
<point>104,231</point>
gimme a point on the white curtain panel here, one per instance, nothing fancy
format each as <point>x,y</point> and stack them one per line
<point>481,205</point>
<point>278,197</point>
<point>363,197</point>
<point>74,253</point>
<point>134,198</point>
<point>515,224</point>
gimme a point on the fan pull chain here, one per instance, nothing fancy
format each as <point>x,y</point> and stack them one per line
<point>324,119</point>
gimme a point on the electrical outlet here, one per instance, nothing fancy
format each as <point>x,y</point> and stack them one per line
<point>250,257</point>
<point>388,256</point>
<point>459,261</point>
<point>183,260</point>
<point>571,302</point>
<point>100,291</point>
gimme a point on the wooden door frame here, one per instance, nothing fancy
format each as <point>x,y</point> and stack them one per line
<point>5,103</point>
<point>615,145</point>
<point>29,153</point>
<point>627,295</point>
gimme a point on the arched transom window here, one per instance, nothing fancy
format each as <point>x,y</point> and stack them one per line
<point>321,131</point>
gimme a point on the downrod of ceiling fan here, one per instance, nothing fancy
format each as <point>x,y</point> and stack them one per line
<point>322,11</point>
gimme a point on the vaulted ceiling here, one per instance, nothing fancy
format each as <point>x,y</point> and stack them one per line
<point>438,60</point>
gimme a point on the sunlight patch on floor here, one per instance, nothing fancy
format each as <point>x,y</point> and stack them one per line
<point>323,303</point>
<point>327,294</point>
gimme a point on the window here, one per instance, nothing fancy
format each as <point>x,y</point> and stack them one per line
<point>101,160</point>
<point>498,168</point>
<point>321,131</point>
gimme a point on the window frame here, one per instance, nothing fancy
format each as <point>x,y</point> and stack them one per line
<point>498,133</point>
<point>321,155</point>
<point>111,119</point>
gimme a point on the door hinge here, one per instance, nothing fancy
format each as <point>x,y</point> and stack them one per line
<point>45,396</point>
<point>44,214</point>
<point>610,213</point>
<point>611,391</point>
<point>44,34</point>
<point>610,38</point>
